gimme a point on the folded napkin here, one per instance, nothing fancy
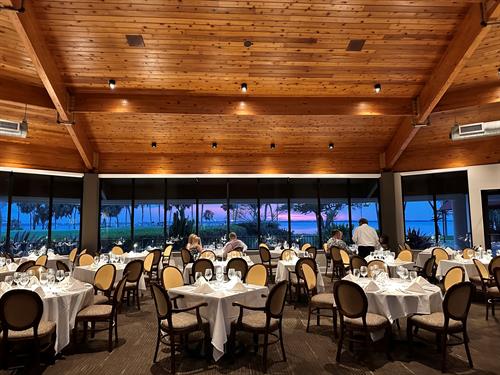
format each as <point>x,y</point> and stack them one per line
<point>204,288</point>
<point>371,287</point>
<point>238,287</point>
<point>415,287</point>
<point>423,282</point>
<point>145,252</point>
<point>38,289</point>
<point>350,277</point>
<point>12,266</point>
<point>201,280</point>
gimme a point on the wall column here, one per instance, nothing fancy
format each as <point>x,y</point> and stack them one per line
<point>90,212</point>
<point>390,215</point>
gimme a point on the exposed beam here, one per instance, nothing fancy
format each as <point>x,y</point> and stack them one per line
<point>218,105</point>
<point>474,96</point>
<point>18,92</point>
<point>467,38</point>
<point>31,35</point>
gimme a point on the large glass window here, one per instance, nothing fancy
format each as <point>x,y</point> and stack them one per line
<point>304,211</point>
<point>149,213</point>
<point>274,210</point>
<point>491,217</point>
<point>181,210</point>
<point>116,214</point>
<point>212,210</point>
<point>66,211</point>
<point>4,209</point>
<point>365,201</point>
<point>244,211</point>
<point>334,208</point>
<point>30,216</point>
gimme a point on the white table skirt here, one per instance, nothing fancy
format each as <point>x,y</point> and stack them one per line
<point>284,268</point>
<point>51,260</point>
<point>87,274</point>
<point>220,312</point>
<point>423,255</point>
<point>188,269</point>
<point>466,264</point>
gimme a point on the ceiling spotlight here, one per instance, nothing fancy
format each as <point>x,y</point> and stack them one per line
<point>273,146</point>
<point>248,43</point>
<point>244,87</point>
<point>377,87</point>
<point>214,145</point>
<point>153,144</point>
<point>330,145</point>
<point>112,84</point>
<point>499,72</point>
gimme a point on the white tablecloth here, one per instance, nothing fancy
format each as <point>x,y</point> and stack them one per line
<point>423,255</point>
<point>284,268</point>
<point>466,264</point>
<point>129,257</point>
<point>51,261</point>
<point>7,271</point>
<point>87,274</point>
<point>218,263</point>
<point>220,312</point>
<point>275,253</point>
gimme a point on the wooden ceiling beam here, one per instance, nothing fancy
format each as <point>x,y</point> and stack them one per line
<point>467,38</point>
<point>26,25</point>
<point>18,92</point>
<point>469,97</point>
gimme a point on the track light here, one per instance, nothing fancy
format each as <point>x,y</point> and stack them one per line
<point>498,72</point>
<point>112,84</point>
<point>244,87</point>
<point>248,43</point>
<point>330,145</point>
<point>273,146</point>
<point>153,144</point>
<point>214,145</point>
<point>377,87</point>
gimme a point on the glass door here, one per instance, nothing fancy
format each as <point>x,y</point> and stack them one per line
<point>491,219</point>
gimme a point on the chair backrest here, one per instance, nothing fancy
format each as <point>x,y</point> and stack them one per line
<point>119,291</point>
<point>376,263</point>
<point>495,262</point>
<point>265,255</point>
<point>156,256</point>
<point>117,250</point>
<point>440,254</point>
<point>72,255</point>
<point>496,276</point>
<point>454,276</point>
<point>60,265</point>
<point>208,254</point>
<point>300,263</point>
<point>358,262</point>
<point>25,265</point>
<point>263,245</point>
<point>257,275</point>
<point>134,270</point>
<point>309,277</point>
<point>85,260</point>
<point>345,257</point>
<point>466,253</point>
<point>336,255</point>
<point>148,262</point>
<point>162,303</point>
<point>238,264</point>
<point>104,278</point>
<point>37,268</point>
<point>84,251</point>
<point>168,251</point>
<point>276,300</point>
<point>481,269</point>
<point>235,253</point>
<point>42,260</point>
<point>407,246</point>
<point>401,247</point>
<point>200,265</point>
<point>305,246</point>
<point>20,309</point>
<point>171,277</point>
<point>287,254</point>
<point>186,256</point>
<point>457,301</point>
<point>429,267</point>
<point>312,251</point>
<point>350,299</point>
<point>405,255</point>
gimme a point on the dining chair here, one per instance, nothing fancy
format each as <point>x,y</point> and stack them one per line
<point>174,322</point>
<point>25,265</point>
<point>267,260</point>
<point>234,253</point>
<point>257,275</point>
<point>61,266</point>
<point>149,265</point>
<point>72,255</point>
<point>171,277</point>
<point>41,260</point>
<point>264,321</point>
<point>312,251</point>
<point>407,246</point>
<point>488,287</point>
<point>208,254</point>
<point>440,254</point>
<point>352,306</point>
<point>186,257</point>
<point>401,247</point>
<point>117,250</point>
<point>133,271</point>
<point>405,255</point>
<point>263,245</point>
<point>296,278</point>
<point>496,294</point>
<point>167,253</point>
<point>85,260</point>
<point>328,257</point>
<point>452,320</point>
<point>238,264</point>
<point>338,269</point>
<point>21,312</point>
<point>494,263</point>
<point>305,246</point>
<point>201,265</point>
<point>287,254</point>
<point>357,262</point>
<point>428,271</point>
<point>466,253</point>
<point>102,313</point>
<point>376,264</point>
<point>318,301</point>
<point>453,276</point>
<point>104,280</point>
<point>84,251</point>
<point>346,259</point>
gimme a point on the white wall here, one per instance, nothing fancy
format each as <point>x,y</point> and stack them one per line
<point>481,177</point>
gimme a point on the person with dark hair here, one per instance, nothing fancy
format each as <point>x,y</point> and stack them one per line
<point>384,241</point>
<point>365,237</point>
<point>336,240</point>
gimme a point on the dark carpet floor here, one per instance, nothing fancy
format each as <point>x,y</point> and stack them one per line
<point>308,353</point>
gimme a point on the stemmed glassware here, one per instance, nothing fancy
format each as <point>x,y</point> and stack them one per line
<point>363,271</point>
<point>60,275</point>
<point>8,280</point>
<point>356,272</point>
<point>2,262</point>
<point>231,273</point>
<point>208,274</point>
<point>17,278</point>
<point>43,278</point>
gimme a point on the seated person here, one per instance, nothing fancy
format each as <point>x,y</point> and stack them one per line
<point>194,244</point>
<point>336,241</point>
<point>233,243</point>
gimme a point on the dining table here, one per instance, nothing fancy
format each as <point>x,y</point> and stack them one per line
<point>7,270</point>
<point>284,267</point>
<point>87,274</point>
<point>218,263</point>
<point>51,260</point>
<point>466,264</point>
<point>393,264</point>
<point>220,311</point>
<point>423,255</point>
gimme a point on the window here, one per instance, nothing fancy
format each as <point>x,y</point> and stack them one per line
<point>334,208</point>
<point>364,202</point>
<point>4,209</point>
<point>274,210</point>
<point>149,213</point>
<point>181,210</point>
<point>212,210</point>
<point>66,211</point>
<point>30,216</point>
<point>436,210</point>
<point>116,214</point>
<point>244,211</point>
<point>491,217</point>
<point>304,211</point>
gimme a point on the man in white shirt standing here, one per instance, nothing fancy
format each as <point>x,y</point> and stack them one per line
<point>365,237</point>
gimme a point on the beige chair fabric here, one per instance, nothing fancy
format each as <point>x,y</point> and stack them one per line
<point>454,276</point>
<point>86,260</point>
<point>405,255</point>
<point>208,254</point>
<point>257,275</point>
<point>117,250</point>
<point>42,260</point>
<point>440,254</point>
<point>172,277</point>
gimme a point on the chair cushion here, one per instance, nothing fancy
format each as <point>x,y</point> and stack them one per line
<point>324,300</point>
<point>182,320</point>
<point>373,321</point>
<point>44,329</point>
<point>100,299</point>
<point>493,292</point>
<point>434,321</point>
<point>257,320</point>
<point>95,311</point>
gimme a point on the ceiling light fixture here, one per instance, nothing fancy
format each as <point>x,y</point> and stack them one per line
<point>244,87</point>
<point>377,87</point>
<point>112,84</point>
<point>273,146</point>
<point>153,144</point>
<point>248,43</point>
<point>214,145</point>
<point>499,72</point>
<point>331,145</point>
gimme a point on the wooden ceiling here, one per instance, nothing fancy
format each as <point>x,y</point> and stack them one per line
<point>182,90</point>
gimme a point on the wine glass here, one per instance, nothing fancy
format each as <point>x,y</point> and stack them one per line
<point>51,271</point>
<point>51,280</point>
<point>356,273</point>
<point>231,273</point>
<point>208,274</point>
<point>197,276</point>
<point>8,261</point>
<point>2,262</point>
<point>238,275</point>
<point>399,271</point>
<point>404,273</point>
<point>413,275</point>
<point>60,275</point>
<point>9,279</point>
<point>219,275</point>
<point>17,278</point>
<point>43,278</point>
<point>363,271</point>
<point>24,279</point>
<point>67,275</point>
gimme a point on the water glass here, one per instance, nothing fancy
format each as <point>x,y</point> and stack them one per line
<point>2,261</point>
<point>43,278</point>
<point>363,271</point>
<point>8,261</point>
<point>208,274</point>
<point>399,271</point>
<point>60,275</point>
<point>356,273</point>
<point>9,279</point>
<point>67,275</point>
<point>24,279</point>
<point>219,275</point>
<point>231,273</point>
<point>96,260</point>
<point>51,280</point>
<point>413,275</point>
<point>404,273</point>
<point>17,278</point>
<point>51,271</point>
<point>238,275</point>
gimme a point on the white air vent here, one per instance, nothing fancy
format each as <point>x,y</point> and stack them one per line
<point>14,129</point>
<point>471,129</point>
<point>481,129</point>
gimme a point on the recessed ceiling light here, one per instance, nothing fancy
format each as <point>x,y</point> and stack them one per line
<point>499,72</point>
<point>214,145</point>
<point>153,144</point>
<point>244,87</point>
<point>248,43</point>
<point>112,84</point>
<point>135,40</point>
<point>273,146</point>
<point>377,87</point>
<point>355,45</point>
<point>330,145</point>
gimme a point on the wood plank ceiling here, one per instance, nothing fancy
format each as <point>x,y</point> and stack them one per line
<point>195,48</point>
